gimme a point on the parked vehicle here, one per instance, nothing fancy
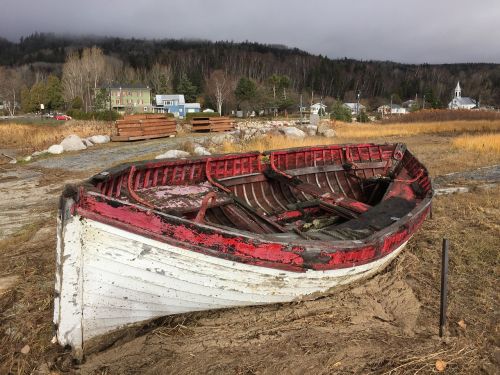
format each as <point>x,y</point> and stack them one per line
<point>163,237</point>
<point>62,117</point>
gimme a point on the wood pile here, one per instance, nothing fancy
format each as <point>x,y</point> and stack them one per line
<point>211,124</point>
<point>144,126</point>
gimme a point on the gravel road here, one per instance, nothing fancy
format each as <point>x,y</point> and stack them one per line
<point>106,156</point>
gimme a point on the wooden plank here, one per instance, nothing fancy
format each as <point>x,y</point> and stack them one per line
<point>334,168</point>
<point>329,197</point>
<point>153,128</point>
<point>124,138</point>
<point>144,116</point>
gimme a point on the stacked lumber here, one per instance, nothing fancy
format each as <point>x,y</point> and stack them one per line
<point>211,124</point>
<point>144,126</point>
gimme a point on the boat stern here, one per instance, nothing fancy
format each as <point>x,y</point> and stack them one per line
<point>68,296</point>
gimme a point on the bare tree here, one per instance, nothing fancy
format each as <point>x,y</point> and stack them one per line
<point>219,86</point>
<point>160,78</point>
<point>82,76</point>
<point>72,77</point>
<point>10,84</point>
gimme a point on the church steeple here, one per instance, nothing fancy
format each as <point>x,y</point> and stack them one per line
<point>458,91</point>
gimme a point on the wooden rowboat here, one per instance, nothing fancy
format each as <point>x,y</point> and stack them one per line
<point>155,238</point>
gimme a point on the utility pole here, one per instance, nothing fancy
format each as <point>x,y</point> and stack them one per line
<point>300,109</point>
<point>110,104</point>
<point>357,105</point>
<point>423,103</point>
<point>390,109</point>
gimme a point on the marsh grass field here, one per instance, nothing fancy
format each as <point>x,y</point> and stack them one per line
<point>385,325</point>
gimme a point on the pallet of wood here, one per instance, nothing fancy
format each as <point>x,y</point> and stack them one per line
<point>144,126</point>
<point>211,124</point>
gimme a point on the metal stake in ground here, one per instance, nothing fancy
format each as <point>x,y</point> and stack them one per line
<point>444,287</point>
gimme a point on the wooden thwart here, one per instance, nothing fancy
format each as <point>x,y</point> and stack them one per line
<point>337,202</point>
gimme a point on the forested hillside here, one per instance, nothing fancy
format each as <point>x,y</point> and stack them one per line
<point>39,55</point>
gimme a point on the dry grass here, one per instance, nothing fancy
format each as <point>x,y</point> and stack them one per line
<point>273,142</point>
<point>38,137</point>
<point>405,130</point>
<point>367,132</point>
<point>435,152</point>
<point>487,143</point>
<point>434,115</point>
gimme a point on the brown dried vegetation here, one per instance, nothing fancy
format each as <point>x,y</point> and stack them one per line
<point>386,325</point>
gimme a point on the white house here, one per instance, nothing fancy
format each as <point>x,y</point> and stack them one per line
<point>317,108</point>
<point>410,104</point>
<point>461,102</point>
<point>355,108</point>
<point>175,104</point>
<point>392,110</point>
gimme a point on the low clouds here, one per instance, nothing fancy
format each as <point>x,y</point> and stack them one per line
<point>443,31</point>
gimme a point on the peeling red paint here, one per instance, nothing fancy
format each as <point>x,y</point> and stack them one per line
<point>127,184</point>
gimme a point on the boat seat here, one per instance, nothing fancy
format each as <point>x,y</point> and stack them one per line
<point>373,220</point>
<point>182,199</point>
<point>349,206</point>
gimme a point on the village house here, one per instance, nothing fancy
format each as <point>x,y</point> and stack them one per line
<point>132,98</point>
<point>356,108</point>
<point>394,109</point>
<point>410,104</point>
<point>461,102</point>
<point>318,108</point>
<point>175,104</point>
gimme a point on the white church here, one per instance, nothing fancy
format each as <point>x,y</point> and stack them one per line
<point>461,102</point>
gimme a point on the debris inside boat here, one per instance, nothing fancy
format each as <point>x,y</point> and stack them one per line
<point>162,237</point>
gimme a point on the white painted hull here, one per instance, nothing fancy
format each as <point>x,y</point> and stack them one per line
<point>108,278</point>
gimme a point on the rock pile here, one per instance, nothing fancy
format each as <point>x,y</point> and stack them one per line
<point>73,143</point>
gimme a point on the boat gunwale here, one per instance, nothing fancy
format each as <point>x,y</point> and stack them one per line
<point>308,247</point>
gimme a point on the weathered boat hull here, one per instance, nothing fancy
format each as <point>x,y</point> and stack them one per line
<point>156,238</point>
<point>109,278</point>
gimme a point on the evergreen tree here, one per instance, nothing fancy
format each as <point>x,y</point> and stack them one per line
<point>187,88</point>
<point>246,91</point>
<point>101,100</point>
<point>362,117</point>
<point>54,93</point>
<point>341,112</point>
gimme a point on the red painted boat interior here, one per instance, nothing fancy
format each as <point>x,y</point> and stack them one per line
<point>347,204</point>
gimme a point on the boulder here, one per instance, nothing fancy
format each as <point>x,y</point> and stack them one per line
<point>201,151</point>
<point>292,132</point>
<point>314,119</point>
<point>221,138</point>
<point>38,153</point>
<point>27,158</point>
<point>311,130</point>
<point>98,139</point>
<point>173,154</point>
<point>329,133</point>
<point>87,142</point>
<point>55,149</point>
<point>73,143</point>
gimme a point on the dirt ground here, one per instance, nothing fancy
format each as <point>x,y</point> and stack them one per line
<point>386,325</point>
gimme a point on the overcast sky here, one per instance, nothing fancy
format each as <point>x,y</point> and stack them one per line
<point>434,31</point>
